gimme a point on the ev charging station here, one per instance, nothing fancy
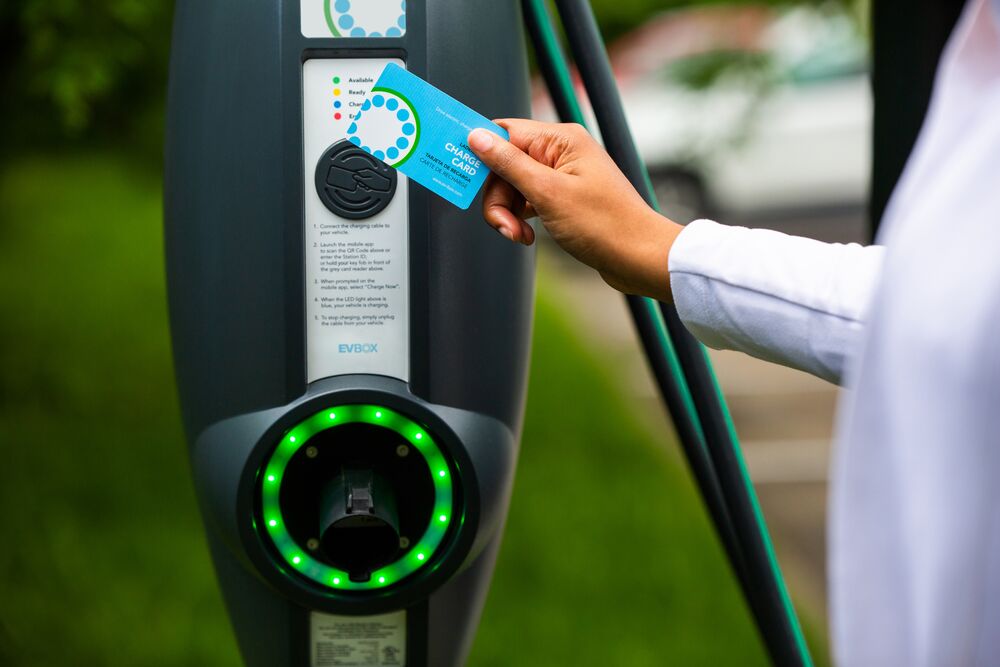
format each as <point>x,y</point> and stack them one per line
<point>352,351</point>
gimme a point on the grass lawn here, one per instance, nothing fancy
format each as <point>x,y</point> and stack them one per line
<point>608,558</point>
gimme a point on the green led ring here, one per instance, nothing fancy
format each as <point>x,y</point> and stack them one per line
<point>331,577</point>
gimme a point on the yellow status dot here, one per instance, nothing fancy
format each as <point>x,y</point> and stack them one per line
<point>336,92</point>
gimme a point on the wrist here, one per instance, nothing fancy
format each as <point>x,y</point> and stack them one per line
<point>638,263</point>
<point>652,256</point>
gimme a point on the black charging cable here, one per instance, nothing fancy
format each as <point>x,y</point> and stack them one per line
<point>752,556</point>
<point>653,334</point>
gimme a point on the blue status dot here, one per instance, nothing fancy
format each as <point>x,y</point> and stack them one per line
<point>378,100</point>
<point>408,129</point>
<point>403,114</point>
<point>379,154</point>
<point>346,21</point>
<point>402,142</point>
<point>393,32</point>
<point>337,104</point>
<point>391,104</point>
<point>367,105</point>
<point>392,152</point>
<point>358,32</point>
<point>343,6</point>
<point>353,128</point>
<point>402,20</point>
<point>354,140</point>
<point>375,34</point>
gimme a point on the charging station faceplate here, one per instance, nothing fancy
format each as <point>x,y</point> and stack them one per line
<point>357,278</point>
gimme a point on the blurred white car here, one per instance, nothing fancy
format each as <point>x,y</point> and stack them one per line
<point>746,113</point>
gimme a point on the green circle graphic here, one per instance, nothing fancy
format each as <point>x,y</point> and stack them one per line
<point>329,19</point>
<point>296,557</point>
<point>416,123</point>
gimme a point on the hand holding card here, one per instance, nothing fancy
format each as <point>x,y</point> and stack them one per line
<point>419,130</point>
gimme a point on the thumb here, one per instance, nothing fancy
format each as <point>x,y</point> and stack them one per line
<point>510,163</point>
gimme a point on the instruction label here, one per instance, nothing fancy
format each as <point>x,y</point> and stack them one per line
<point>358,641</point>
<point>357,271</point>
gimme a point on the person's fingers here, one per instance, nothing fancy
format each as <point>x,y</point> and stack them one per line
<point>511,164</point>
<point>527,233</point>
<point>549,143</point>
<point>502,205</point>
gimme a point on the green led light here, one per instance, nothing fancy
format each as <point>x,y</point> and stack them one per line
<point>426,545</point>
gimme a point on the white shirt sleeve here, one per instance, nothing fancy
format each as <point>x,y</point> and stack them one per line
<point>786,299</point>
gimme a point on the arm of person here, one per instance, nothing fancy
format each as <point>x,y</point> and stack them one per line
<point>786,299</point>
<point>790,300</point>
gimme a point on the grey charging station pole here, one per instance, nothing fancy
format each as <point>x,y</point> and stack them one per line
<point>351,352</point>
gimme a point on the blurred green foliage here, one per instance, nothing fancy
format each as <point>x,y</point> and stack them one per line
<point>83,69</point>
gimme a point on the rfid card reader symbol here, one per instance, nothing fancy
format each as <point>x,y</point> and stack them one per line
<point>353,184</point>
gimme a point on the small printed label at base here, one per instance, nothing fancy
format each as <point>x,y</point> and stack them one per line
<point>358,641</point>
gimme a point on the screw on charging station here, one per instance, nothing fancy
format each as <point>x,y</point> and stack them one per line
<point>404,542</point>
<point>402,451</point>
<point>312,544</point>
<point>312,452</point>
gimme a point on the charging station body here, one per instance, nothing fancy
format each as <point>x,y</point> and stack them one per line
<point>351,351</point>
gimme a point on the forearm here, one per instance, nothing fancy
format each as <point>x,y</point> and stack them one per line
<point>786,299</point>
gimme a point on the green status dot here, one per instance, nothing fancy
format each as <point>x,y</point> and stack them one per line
<point>336,79</point>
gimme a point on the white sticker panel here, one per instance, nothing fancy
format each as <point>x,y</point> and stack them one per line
<point>358,641</point>
<point>354,18</point>
<point>357,271</point>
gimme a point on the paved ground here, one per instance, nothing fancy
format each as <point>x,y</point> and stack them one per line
<point>784,417</point>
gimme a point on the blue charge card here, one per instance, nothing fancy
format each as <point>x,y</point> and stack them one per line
<point>412,126</point>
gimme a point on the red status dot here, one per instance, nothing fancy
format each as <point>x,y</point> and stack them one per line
<point>337,116</point>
